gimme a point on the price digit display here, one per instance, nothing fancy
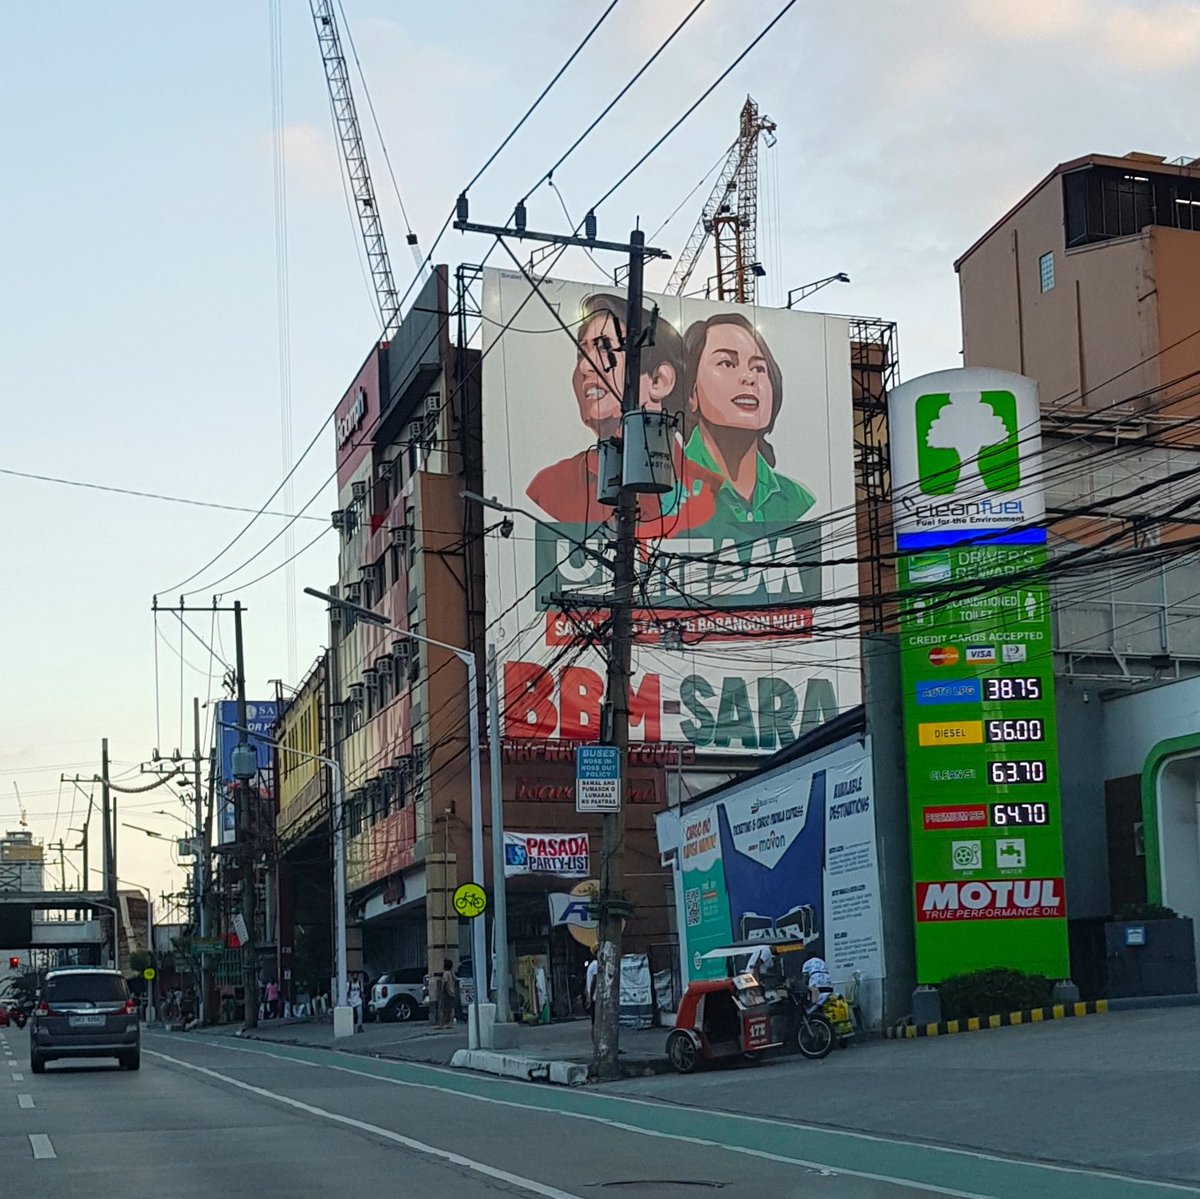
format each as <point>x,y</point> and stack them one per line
<point>1002,815</point>
<point>995,689</point>
<point>1019,770</point>
<point>1015,730</point>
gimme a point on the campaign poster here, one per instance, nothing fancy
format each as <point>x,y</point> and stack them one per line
<point>743,638</point>
<point>260,724</point>
<point>791,856</point>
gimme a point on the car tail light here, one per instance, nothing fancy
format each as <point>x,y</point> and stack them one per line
<point>383,992</point>
<point>44,1009</point>
<point>130,1008</point>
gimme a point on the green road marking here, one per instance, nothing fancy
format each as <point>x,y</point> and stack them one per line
<point>941,1169</point>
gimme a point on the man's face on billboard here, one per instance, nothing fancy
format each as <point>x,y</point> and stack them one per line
<point>599,378</point>
<point>733,389</point>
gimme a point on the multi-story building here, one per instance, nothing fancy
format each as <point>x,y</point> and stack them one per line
<point>1090,284</point>
<point>305,891</point>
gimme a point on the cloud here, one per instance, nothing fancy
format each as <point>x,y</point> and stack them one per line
<point>1164,38</point>
<point>312,158</point>
<point>1153,37</point>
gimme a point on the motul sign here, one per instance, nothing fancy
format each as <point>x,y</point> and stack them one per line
<point>1001,899</point>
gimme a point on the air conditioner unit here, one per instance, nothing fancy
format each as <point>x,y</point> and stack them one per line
<point>359,489</point>
<point>383,664</point>
<point>390,776</point>
<point>400,534</point>
<point>337,710</point>
<point>335,617</point>
<point>370,674</point>
<point>354,592</point>
<point>400,650</point>
<point>357,692</point>
<point>369,574</point>
<point>339,519</point>
<point>386,468</point>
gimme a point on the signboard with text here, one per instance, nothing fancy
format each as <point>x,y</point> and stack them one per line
<point>597,778</point>
<point>977,672</point>
<point>737,563</point>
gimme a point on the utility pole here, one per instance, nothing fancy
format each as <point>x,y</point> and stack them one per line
<point>612,905</point>
<point>499,883</point>
<point>612,902</point>
<point>200,861</point>
<point>108,813</point>
<point>247,830</point>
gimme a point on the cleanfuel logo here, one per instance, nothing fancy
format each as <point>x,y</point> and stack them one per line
<point>967,441</point>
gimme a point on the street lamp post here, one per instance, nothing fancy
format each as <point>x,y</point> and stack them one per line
<point>340,1023</point>
<point>478,935</point>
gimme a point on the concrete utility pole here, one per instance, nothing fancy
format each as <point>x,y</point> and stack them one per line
<point>200,861</point>
<point>499,885</point>
<point>247,832</point>
<point>612,902</point>
<point>108,813</point>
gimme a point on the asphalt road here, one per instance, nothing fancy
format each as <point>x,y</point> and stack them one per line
<point>207,1117</point>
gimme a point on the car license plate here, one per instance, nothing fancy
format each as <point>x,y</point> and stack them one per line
<point>87,1021</point>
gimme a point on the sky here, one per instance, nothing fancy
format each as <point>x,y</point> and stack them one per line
<point>140,296</point>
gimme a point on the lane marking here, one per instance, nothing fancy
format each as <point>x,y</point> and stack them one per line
<point>454,1159</point>
<point>18,1078</point>
<point>42,1149</point>
<point>26,1101</point>
<point>1101,1175</point>
<point>821,1167</point>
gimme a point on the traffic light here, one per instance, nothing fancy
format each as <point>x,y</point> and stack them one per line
<point>14,962</point>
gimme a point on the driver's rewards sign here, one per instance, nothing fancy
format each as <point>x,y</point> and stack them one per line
<point>470,900</point>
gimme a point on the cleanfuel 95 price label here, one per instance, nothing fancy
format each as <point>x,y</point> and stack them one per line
<point>1019,770</point>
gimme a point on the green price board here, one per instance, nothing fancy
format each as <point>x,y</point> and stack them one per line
<point>977,671</point>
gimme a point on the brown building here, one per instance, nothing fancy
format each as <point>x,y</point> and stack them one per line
<point>1090,284</point>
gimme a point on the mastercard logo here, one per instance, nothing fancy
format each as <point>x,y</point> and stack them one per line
<point>944,655</point>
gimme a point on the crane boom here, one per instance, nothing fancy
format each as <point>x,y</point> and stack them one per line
<point>354,155</point>
<point>730,215</point>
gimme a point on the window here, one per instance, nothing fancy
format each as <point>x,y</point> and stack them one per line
<point>1046,271</point>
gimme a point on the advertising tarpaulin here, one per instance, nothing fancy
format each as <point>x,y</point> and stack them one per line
<point>740,565</point>
<point>977,668</point>
<point>260,721</point>
<point>564,854</point>
<point>790,856</point>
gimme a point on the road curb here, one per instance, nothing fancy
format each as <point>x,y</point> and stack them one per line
<point>511,1065</point>
<point>1037,1015</point>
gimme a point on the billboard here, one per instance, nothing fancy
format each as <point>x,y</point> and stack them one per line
<point>260,719</point>
<point>791,856</point>
<point>977,670</point>
<point>741,565</point>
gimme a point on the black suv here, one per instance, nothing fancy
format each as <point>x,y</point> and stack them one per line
<point>84,1011</point>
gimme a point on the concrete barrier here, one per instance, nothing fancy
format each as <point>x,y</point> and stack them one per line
<point>513,1065</point>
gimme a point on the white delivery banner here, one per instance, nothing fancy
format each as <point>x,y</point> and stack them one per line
<point>565,855</point>
<point>743,641</point>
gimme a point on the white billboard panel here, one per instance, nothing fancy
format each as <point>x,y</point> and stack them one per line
<point>743,638</point>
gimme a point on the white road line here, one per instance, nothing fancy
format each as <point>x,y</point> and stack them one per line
<point>26,1101</point>
<point>454,1159</point>
<point>18,1078</point>
<point>980,1155</point>
<point>40,1143</point>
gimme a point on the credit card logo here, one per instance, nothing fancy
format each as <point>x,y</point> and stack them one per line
<point>981,655</point>
<point>944,655</point>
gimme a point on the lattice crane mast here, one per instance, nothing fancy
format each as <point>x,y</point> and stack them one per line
<point>354,154</point>
<point>730,216</point>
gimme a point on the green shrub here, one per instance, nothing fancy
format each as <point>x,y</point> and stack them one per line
<point>1146,911</point>
<point>989,992</point>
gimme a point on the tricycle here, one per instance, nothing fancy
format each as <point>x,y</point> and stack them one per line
<point>739,1015</point>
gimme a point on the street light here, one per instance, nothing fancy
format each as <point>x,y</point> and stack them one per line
<point>478,937</point>
<point>341,1022</point>
<point>796,294</point>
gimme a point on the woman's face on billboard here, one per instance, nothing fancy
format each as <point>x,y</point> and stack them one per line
<point>733,389</point>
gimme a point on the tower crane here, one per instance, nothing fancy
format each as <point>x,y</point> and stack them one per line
<point>730,216</point>
<point>354,154</point>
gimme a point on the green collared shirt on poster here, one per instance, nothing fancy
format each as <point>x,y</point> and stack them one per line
<point>776,498</point>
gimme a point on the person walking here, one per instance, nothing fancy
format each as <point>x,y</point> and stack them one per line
<point>355,999</point>
<point>272,1000</point>
<point>447,996</point>
<point>590,975</point>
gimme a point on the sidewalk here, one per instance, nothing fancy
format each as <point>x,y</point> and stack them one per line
<point>642,1050</point>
